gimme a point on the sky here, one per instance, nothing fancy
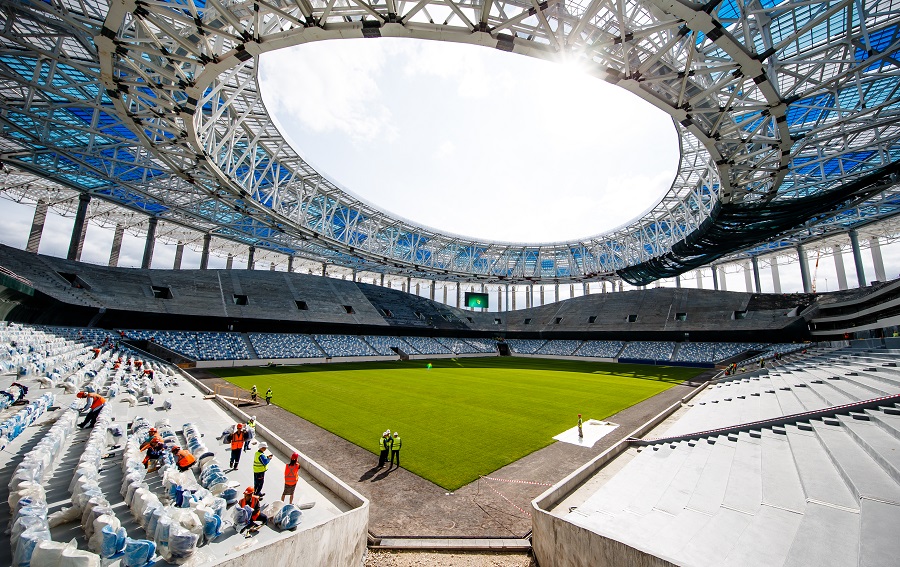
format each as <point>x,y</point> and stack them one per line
<point>469,140</point>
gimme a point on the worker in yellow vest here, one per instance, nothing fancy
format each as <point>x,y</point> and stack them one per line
<point>383,448</point>
<point>291,476</point>
<point>395,450</point>
<point>261,462</point>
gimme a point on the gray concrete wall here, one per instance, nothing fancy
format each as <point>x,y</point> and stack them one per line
<point>558,543</point>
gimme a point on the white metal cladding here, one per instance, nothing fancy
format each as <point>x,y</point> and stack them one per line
<point>155,105</point>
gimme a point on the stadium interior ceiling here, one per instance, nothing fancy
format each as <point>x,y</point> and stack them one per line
<point>786,114</point>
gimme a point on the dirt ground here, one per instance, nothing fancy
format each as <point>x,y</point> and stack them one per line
<point>386,558</point>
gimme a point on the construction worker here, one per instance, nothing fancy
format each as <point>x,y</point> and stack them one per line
<point>152,435</point>
<point>251,501</point>
<point>94,403</point>
<point>253,393</point>
<point>269,397</point>
<point>154,450</point>
<point>384,447</point>
<point>396,443</point>
<point>261,462</point>
<point>183,458</point>
<point>250,431</point>
<point>238,436</point>
<point>580,432</point>
<point>291,476</point>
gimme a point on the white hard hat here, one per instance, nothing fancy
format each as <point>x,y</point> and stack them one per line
<point>263,445</point>
<point>253,418</point>
<point>396,434</point>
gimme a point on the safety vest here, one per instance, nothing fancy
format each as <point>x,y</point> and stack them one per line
<point>258,465</point>
<point>397,444</point>
<point>383,444</point>
<point>184,458</point>
<point>253,503</point>
<point>146,444</point>
<point>96,400</point>
<point>237,440</point>
<point>291,473</point>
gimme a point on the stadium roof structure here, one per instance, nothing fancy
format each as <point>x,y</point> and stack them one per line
<point>787,115</point>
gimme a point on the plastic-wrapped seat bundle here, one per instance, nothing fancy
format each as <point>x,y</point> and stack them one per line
<point>72,557</point>
<point>95,508</point>
<point>48,553</point>
<point>26,542</point>
<point>138,552</point>
<point>113,542</point>
<point>182,544</point>
<point>230,495</point>
<point>288,518</point>
<point>104,523</point>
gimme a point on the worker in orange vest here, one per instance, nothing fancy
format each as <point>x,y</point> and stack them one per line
<point>95,403</point>
<point>183,458</point>
<point>237,445</point>
<point>291,476</point>
<point>155,449</point>
<point>251,500</point>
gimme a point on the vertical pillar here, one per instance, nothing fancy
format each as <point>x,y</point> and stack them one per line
<point>754,261</point>
<point>529,296</point>
<point>325,270</point>
<point>839,267</point>
<point>513,298</point>
<point>290,267</point>
<point>656,283</point>
<point>621,285</point>
<point>804,269</point>
<point>857,259</point>
<point>271,266</point>
<point>748,277</point>
<point>458,295</point>
<point>251,260</point>
<point>499,299</point>
<point>229,261</point>
<point>678,282</point>
<point>116,248</point>
<point>776,277</point>
<point>381,283</point>
<point>602,286</point>
<point>506,301</point>
<point>445,293</point>
<point>542,294</point>
<point>715,275</point>
<point>723,283</point>
<point>431,293</point>
<point>204,256</point>
<point>875,247</point>
<point>418,289</point>
<point>571,291</point>
<point>79,229</point>
<point>150,243</point>
<point>585,288</point>
<point>37,227</point>
<point>556,292</point>
<point>179,253</point>
<point>408,285</point>
<point>699,279</point>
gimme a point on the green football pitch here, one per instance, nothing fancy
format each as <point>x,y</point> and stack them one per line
<point>463,417</point>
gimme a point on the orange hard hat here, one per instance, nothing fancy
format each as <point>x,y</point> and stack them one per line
<point>248,490</point>
<point>175,448</point>
<point>153,430</point>
<point>295,456</point>
<point>240,425</point>
<point>81,395</point>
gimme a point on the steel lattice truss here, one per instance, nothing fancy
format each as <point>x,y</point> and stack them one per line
<point>154,106</point>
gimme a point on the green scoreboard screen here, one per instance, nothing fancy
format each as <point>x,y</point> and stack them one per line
<point>476,300</point>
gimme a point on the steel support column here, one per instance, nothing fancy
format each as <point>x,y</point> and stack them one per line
<point>116,247</point>
<point>229,262</point>
<point>677,282</point>
<point>179,253</point>
<point>79,229</point>
<point>204,256</point>
<point>699,279</point>
<point>776,277</point>
<point>875,248</point>
<point>251,260</point>
<point>290,267</point>
<point>149,243</point>
<point>748,277</point>
<point>857,259</point>
<point>37,226</point>
<point>839,267</point>
<point>754,261</point>
<point>804,269</point>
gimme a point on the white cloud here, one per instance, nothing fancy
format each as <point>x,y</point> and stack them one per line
<point>327,88</point>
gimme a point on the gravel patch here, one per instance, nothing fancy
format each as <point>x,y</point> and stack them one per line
<point>391,558</point>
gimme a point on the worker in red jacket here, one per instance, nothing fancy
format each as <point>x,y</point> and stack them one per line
<point>251,500</point>
<point>95,403</point>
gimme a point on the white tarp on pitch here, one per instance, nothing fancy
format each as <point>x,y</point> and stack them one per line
<point>594,430</point>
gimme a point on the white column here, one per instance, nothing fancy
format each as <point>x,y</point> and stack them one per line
<point>776,277</point>
<point>839,267</point>
<point>699,278</point>
<point>748,277</point>
<point>875,248</point>
<point>857,259</point>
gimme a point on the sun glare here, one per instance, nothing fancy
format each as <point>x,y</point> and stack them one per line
<point>470,140</point>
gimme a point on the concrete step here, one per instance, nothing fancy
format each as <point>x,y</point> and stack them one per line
<point>862,474</point>
<point>818,475</point>
<point>881,446</point>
